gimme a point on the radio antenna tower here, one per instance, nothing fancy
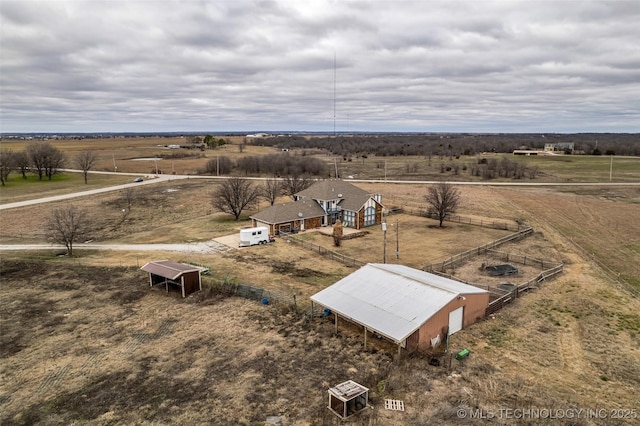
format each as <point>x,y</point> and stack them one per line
<point>334,93</point>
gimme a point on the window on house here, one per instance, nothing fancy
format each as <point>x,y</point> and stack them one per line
<point>348,218</point>
<point>370,216</point>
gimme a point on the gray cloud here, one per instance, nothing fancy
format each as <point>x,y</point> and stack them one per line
<point>269,65</point>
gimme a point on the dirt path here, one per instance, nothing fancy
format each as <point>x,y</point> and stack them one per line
<point>207,247</point>
<point>571,351</point>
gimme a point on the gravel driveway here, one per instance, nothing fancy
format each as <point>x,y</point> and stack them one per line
<point>206,247</point>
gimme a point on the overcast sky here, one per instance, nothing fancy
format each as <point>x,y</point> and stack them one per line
<point>236,65</point>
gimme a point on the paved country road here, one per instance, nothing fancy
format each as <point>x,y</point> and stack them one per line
<point>215,246</point>
<point>90,192</point>
<point>166,178</point>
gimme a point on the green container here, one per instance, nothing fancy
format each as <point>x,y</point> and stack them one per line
<point>462,354</point>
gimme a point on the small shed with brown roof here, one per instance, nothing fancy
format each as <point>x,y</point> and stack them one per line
<point>166,272</point>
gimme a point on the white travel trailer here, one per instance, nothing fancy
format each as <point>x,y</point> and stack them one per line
<point>253,236</point>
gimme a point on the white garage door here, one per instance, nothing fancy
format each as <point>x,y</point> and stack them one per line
<point>455,320</point>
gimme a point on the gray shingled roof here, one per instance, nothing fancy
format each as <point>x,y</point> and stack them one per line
<point>287,212</point>
<point>353,198</point>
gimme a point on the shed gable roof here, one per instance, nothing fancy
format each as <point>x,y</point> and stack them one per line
<point>168,269</point>
<point>393,300</point>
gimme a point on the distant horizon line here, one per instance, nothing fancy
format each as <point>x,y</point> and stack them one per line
<point>297,132</point>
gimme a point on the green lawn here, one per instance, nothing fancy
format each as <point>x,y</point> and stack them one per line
<point>19,189</point>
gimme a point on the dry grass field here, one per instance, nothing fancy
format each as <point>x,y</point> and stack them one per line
<point>85,341</point>
<point>134,155</point>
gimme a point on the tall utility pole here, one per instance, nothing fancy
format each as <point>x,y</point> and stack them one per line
<point>611,170</point>
<point>384,243</point>
<point>397,241</point>
<point>334,93</point>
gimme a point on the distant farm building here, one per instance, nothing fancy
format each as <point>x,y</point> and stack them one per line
<point>527,152</point>
<point>186,277</point>
<point>566,147</point>
<point>415,310</point>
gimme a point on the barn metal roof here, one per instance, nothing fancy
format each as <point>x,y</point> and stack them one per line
<point>168,269</point>
<point>392,300</point>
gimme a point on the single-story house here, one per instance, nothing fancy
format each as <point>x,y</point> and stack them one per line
<point>166,272</point>
<point>290,217</point>
<point>414,309</point>
<point>322,204</point>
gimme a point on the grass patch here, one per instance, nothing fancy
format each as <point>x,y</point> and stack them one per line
<point>629,322</point>
<point>496,336</point>
<point>578,168</point>
<point>19,189</point>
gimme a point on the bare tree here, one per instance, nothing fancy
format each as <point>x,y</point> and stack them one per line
<point>54,162</point>
<point>7,164</point>
<point>443,198</point>
<point>127,198</point>
<point>45,158</point>
<point>220,165</point>
<point>233,195</point>
<point>293,184</point>
<point>36,154</point>
<point>271,190</point>
<point>194,139</point>
<point>125,203</point>
<point>66,226</point>
<point>21,162</point>
<point>85,161</point>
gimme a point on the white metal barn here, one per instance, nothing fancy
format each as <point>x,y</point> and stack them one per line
<point>414,309</point>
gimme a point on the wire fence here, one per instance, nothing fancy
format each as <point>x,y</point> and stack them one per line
<point>229,288</point>
<point>460,258</point>
<point>494,291</point>
<point>324,252</point>
<point>502,296</point>
<point>493,224</point>
<point>536,282</point>
<point>521,259</point>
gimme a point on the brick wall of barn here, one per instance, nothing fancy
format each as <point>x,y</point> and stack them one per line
<point>474,308</point>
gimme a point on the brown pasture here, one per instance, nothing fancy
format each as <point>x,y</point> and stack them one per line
<point>96,345</point>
